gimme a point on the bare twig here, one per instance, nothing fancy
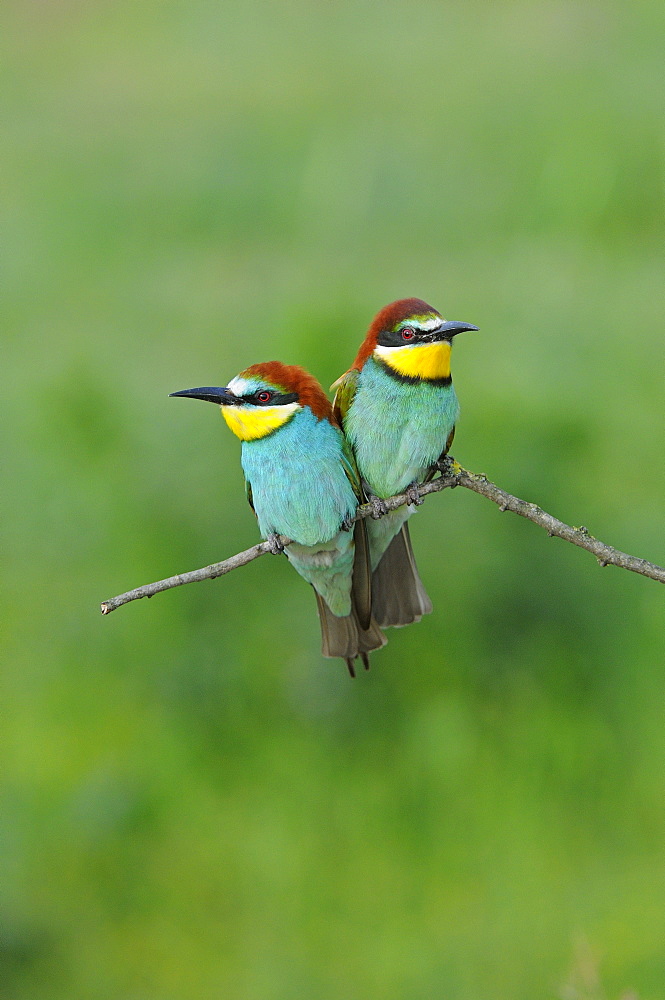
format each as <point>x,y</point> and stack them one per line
<point>206,573</point>
<point>605,554</point>
<point>452,475</point>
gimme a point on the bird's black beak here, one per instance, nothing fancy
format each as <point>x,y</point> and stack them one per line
<point>212,393</point>
<point>450,329</point>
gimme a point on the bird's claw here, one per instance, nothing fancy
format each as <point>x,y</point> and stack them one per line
<point>412,494</point>
<point>274,543</point>
<point>348,522</point>
<point>441,465</point>
<point>379,506</point>
<point>446,466</point>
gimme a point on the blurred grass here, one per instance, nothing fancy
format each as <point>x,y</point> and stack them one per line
<point>194,804</point>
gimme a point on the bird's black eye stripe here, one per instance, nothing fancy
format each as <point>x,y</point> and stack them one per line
<point>394,338</point>
<point>266,397</point>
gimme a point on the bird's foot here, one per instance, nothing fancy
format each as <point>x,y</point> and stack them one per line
<point>447,466</point>
<point>412,494</point>
<point>441,465</point>
<point>274,543</point>
<point>379,506</point>
<point>348,522</point>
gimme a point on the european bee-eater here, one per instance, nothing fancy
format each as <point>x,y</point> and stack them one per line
<point>302,482</point>
<point>398,408</point>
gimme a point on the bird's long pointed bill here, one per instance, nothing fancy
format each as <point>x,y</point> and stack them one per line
<point>450,329</point>
<point>213,394</point>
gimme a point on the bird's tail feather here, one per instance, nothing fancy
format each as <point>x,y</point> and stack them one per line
<point>345,637</point>
<point>398,595</point>
<point>361,588</point>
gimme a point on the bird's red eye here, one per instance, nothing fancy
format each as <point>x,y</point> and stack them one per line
<point>408,333</point>
<point>264,397</point>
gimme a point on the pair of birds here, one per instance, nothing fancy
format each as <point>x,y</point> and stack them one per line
<point>308,464</point>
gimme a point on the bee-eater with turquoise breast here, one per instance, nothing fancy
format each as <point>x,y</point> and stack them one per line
<point>398,408</point>
<point>302,483</point>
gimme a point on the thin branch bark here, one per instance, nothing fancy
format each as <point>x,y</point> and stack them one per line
<point>452,475</point>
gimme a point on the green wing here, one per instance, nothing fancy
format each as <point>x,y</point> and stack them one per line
<point>351,469</point>
<point>362,567</point>
<point>248,492</point>
<point>362,572</point>
<point>345,389</point>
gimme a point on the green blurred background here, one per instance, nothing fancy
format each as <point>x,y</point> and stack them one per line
<point>194,803</point>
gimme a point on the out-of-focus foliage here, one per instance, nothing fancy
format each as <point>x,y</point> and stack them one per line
<point>194,803</point>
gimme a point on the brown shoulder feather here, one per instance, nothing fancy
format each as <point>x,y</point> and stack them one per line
<point>293,378</point>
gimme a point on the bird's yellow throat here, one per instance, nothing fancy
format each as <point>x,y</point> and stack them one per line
<point>252,422</point>
<point>426,361</point>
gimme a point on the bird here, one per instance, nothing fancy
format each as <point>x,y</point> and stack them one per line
<point>302,483</point>
<point>398,410</point>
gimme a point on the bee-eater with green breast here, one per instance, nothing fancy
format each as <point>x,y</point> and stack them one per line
<point>398,408</point>
<point>302,483</point>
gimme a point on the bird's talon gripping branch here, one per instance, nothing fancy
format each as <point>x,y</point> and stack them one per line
<point>412,493</point>
<point>348,522</point>
<point>448,468</point>
<point>275,544</point>
<point>379,506</point>
<point>442,465</point>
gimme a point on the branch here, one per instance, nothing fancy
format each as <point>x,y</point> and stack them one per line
<point>605,554</point>
<point>452,475</point>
